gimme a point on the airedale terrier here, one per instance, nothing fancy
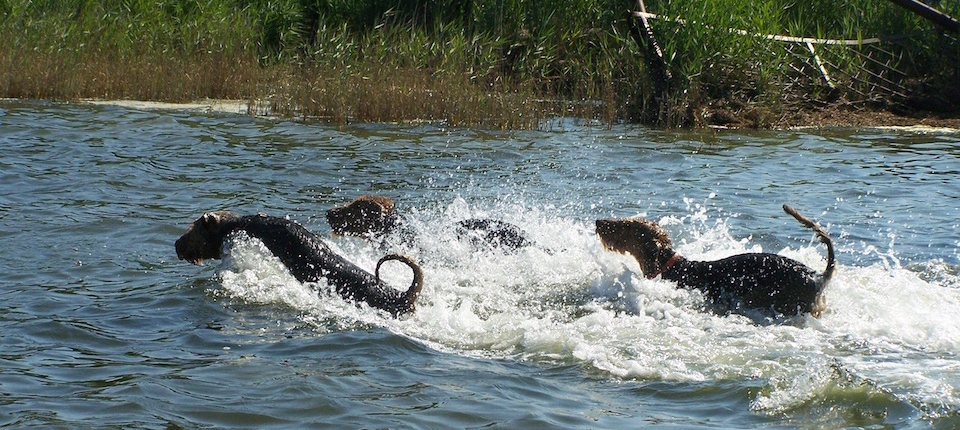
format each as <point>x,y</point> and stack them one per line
<point>764,282</point>
<point>304,254</point>
<point>374,217</point>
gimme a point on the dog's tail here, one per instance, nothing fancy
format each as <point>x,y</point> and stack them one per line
<point>414,291</point>
<point>824,238</point>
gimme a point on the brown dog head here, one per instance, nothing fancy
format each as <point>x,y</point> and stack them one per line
<point>205,236</point>
<point>645,240</point>
<point>366,216</point>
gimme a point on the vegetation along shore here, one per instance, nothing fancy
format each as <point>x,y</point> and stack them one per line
<point>498,64</point>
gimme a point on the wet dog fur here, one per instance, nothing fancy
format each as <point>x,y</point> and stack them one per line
<point>307,257</point>
<point>768,283</point>
<point>376,217</point>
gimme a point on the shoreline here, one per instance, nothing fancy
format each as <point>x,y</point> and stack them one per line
<point>818,120</point>
<point>206,106</point>
<point>487,65</point>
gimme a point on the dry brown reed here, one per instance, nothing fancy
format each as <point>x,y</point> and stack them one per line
<point>485,63</point>
<point>311,92</point>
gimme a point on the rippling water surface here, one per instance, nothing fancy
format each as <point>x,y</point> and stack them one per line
<point>101,326</point>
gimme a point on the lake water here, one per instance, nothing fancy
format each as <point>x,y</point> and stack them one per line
<point>102,327</point>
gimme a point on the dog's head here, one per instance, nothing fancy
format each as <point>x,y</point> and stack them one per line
<point>204,237</point>
<point>365,216</point>
<point>646,241</point>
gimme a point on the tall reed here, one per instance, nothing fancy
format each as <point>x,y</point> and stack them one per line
<point>497,63</point>
<point>713,65</point>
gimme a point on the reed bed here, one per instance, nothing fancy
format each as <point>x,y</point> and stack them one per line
<point>500,64</point>
<point>755,76</point>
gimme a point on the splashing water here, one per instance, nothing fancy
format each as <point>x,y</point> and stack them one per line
<point>889,330</point>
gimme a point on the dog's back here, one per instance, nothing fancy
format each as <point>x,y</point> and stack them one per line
<point>756,281</point>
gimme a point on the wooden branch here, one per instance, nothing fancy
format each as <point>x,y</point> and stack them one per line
<point>654,55</point>
<point>823,70</point>
<point>935,16</point>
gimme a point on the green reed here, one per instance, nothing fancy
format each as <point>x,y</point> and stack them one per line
<point>713,65</point>
<point>504,63</point>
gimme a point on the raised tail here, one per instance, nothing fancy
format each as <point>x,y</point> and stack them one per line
<point>824,238</point>
<point>414,291</point>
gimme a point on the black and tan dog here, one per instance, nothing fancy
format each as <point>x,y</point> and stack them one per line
<point>304,254</point>
<point>769,283</point>
<point>377,217</point>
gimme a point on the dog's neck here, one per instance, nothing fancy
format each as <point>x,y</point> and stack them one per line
<point>665,266</point>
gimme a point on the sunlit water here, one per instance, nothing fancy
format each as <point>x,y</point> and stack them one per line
<point>101,325</point>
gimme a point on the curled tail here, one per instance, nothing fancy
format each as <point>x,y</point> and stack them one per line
<point>824,238</point>
<point>414,291</point>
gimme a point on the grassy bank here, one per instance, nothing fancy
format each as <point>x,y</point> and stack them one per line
<point>503,63</point>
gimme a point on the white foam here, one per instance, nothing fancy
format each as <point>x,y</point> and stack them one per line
<point>886,326</point>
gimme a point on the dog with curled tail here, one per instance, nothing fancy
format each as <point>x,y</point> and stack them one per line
<point>769,283</point>
<point>307,257</point>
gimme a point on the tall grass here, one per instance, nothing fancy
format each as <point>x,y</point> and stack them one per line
<point>712,65</point>
<point>496,63</point>
<point>135,50</point>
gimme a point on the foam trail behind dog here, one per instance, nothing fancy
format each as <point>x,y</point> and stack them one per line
<point>584,306</point>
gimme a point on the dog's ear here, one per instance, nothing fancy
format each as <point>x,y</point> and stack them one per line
<point>386,205</point>
<point>209,219</point>
<point>370,208</point>
<point>662,238</point>
<point>213,220</point>
<point>383,204</point>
